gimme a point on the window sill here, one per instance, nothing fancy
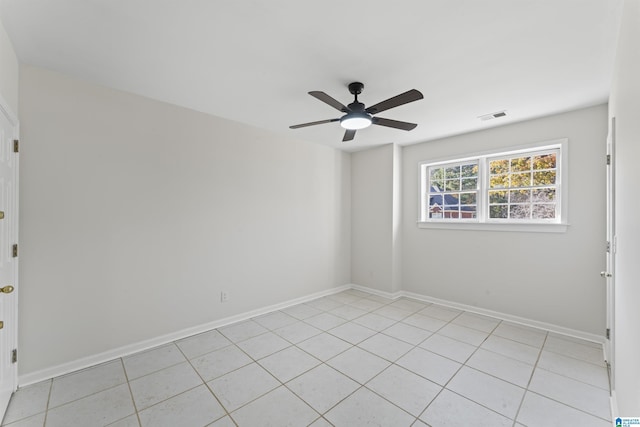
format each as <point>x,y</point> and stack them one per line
<point>527,228</point>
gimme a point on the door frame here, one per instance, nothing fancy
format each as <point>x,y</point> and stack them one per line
<point>610,276</point>
<point>11,322</point>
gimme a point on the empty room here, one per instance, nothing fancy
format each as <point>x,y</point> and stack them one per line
<point>417,213</point>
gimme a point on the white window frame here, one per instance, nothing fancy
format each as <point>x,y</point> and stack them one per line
<point>478,190</point>
<point>482,220</point>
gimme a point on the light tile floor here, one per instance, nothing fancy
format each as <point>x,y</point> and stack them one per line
<point>349,359</point>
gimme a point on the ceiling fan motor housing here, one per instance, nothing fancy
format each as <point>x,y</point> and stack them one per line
<point>356,88</point>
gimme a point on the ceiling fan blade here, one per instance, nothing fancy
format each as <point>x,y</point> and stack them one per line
<point>348,135</point>
<point>403,98</point>
<point>303,125</point>
<point>329,100</point>
<point>393,123</point>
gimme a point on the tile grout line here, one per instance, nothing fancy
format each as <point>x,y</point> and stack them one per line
<point>533,371</point>
<point>577,358</point>
<point>569,406</point>
<point>135,407</point>
<point>46,412</point>
<point>227,414</point>
<point>86,395</point>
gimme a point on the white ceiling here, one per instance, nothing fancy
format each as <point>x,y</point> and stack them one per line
<point>254,60</point>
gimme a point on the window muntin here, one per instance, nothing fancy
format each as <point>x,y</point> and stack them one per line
<point>517,187</point>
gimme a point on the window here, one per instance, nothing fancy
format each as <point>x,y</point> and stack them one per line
<point>453,191</point>
<point>522,186</point>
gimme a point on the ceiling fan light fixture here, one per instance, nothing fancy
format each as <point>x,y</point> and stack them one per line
<point>355,120</point>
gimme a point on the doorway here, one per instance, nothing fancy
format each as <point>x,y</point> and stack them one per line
<point>609,273</point>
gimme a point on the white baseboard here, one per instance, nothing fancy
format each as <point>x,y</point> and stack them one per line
<point>485,312</point>
<point>96,359</point>
<point>383,294</point>
<point>85,362</point>
<point>509,317</point>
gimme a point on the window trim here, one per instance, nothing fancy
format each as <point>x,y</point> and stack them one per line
<point>482,222</point>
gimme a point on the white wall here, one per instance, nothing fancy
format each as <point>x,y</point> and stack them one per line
<point>372,206</point>
<point>547,277</point>
<point>135,214</point>
<point>624,105</point>
<point>8,71</point>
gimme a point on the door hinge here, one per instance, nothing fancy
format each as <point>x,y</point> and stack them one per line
<point>16,145</point>
<point>14,356</point>
<point>608,334</point>
<point>608,247</point>
<point>14,253</point>
<point>608,159</point>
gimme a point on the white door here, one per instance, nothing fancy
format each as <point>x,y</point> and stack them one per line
<point>8,263</point>
<point>609,273</point>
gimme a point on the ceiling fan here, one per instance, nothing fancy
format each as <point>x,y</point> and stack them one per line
<point>358,117</point>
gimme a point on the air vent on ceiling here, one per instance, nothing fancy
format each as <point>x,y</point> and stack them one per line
<point>492,116</point>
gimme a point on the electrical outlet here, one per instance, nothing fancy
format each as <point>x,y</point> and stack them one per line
<point>224,296</point>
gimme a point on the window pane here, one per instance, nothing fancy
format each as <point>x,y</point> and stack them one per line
<point>498,211</point>
<point>469,170</point>
<point>519,211</point>
<point>436,211</point>
<point>497,167</point>
<point>468,198</point>
<point>469,183</point>
<point>544,195</point>
<point>521,164</point>
<point>521,179</point>
<point>544,178</point>
<point>436,179</point>
<point>436,173</point>
<point>436,186</point>
<point>519,196</point>
<point>452,172</point>
<point>468,211</point>
<point>545,211</point>
<point>436,200</point>
<point>452,185</point>
<point>546,161</point>
<point>498,197</point>
<point>499,181</point>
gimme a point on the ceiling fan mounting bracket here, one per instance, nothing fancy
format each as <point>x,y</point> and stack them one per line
<point>356,88</point>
